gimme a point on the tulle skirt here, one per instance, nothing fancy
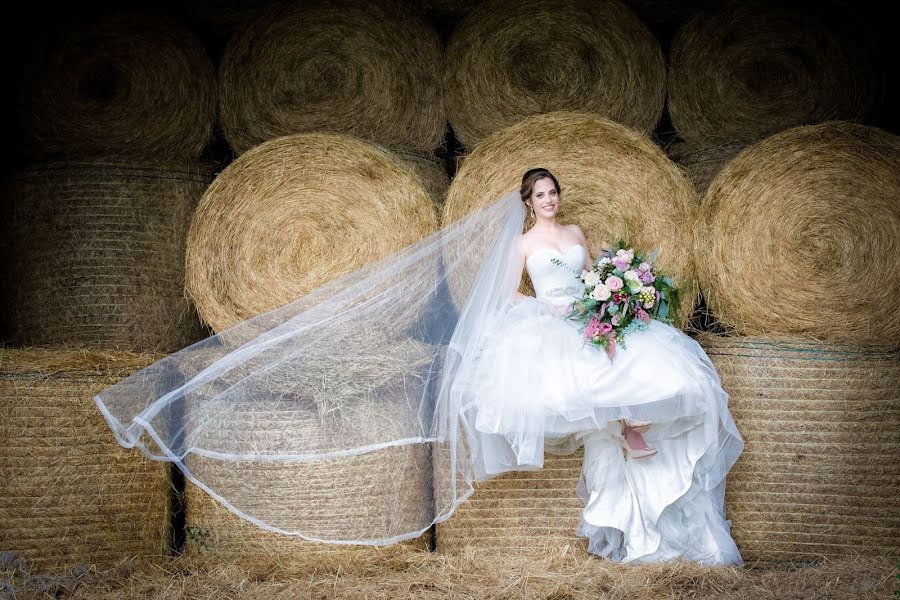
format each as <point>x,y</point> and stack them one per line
<point>538,386</point>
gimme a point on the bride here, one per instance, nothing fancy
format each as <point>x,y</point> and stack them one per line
<point>364,411</point>
<point>536,385</point>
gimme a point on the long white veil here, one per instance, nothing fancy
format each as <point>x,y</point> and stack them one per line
<point>335,417</point>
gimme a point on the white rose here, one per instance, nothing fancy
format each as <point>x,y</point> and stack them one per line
<point>601,292</point>
<point>631,275</point>
<point>590,277</point>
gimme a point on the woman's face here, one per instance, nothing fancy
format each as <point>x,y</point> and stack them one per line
<point>544,198</point>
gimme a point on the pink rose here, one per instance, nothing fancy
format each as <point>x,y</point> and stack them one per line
<point>614,283</point>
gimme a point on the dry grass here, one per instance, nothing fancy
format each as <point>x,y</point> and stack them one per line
<point>369,69</point>
<point>399,572</point>
<point>799,236</point>
<point>295,213</point>
<point>96,253</point>
<point>742,70</point>
<point>602,60</point>
<point>127,84</point>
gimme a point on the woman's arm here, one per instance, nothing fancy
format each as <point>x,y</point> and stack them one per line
<point>588,260</point>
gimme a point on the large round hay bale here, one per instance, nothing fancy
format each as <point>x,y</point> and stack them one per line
<point>506,62</point>
<point>71,494</point>
<point>368,69</point>
<point>330,506</point>
<point>520,511</point>
<point>820,472</point>
<point>702,162</point>
<point>615,183</point>
<point>126,84</point>
<point>95,254</point>
<point>800,233</point>
<point>293,214</point>
<point>375,495</point>
<point>743,70</point>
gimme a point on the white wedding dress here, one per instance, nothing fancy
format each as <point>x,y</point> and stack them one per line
<point>539,386</point>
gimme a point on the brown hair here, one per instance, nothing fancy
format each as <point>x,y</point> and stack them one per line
<point>533,175</point>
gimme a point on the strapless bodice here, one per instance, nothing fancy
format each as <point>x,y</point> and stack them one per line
<point>555,283</point>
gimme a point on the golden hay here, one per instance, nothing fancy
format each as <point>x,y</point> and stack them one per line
<point>800,233</point>
<point>127,84</point>
<point>744,70</point>
<point>214,533</point>
<point>96,253</point>
<point>702,162</point>
<point>517,512</point>
<point>432,173</point>
<point>404,573</point>
<point>820,472</point>
<point>373,495</point>
<point>293,214</point>
<point>615,183</point>
<point>367,69</point>
<point>71,494</point>
<point>505,62</point>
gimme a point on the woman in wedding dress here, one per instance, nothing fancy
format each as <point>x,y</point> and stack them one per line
<point>537,385</point>
<point>318,419</point>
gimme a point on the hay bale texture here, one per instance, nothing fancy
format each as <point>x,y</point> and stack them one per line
<point>375,495</point>
<point>126,84</point>
<point>506,61</point>
<point>94,254</point>
<point>743,70</point>
<point>71,494</point>
<point>702,162</point>
<point>521,511</point>
<point>367,69</point>
<point>820,472</point>
<point>293,214</point>
<point>615,183</point>
<point>799,235</point>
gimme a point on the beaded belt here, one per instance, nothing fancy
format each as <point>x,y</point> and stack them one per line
<point>562,291</point>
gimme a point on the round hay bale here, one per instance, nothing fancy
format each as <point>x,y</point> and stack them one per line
<point>126,84</point>
<point>367,69</point>
<point>744,70</point>
<point>702,162</point>
<point>505,62</point>
<point>95,254</point>
<point>520,511</point>
<point>329,505</point>
<point>374,495</point>
<point>820,470</point>
<point>800,233</point>
<point>615,183</point>
<point>293,214</point>
<point>71,494</point>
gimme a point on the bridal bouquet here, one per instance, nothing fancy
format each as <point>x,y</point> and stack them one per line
<point>622,292</point>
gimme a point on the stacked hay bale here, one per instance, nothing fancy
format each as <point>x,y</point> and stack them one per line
<point>518,512</point>
<point>505,62</point>
<point>796,250</point>
<point>741,71</point>
<point>615,183</point>
<point>287,217</point>
<point>71,495</point>
<point>365,69</point>
<point>96,254</point>
<point>115,111</point>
